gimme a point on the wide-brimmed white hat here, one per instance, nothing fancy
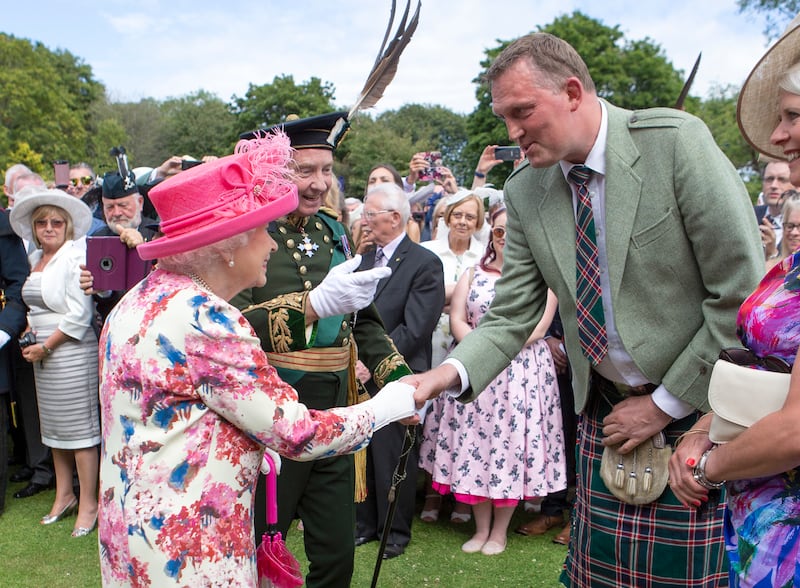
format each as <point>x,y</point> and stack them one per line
<point>32,197</point>
<point>757,109</point>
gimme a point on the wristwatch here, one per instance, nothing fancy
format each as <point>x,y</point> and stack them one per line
<point>47,350</point>
<point>699,474</point>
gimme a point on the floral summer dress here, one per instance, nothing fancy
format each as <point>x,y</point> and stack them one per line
<point>762,518</point>
<point>508,444</point>
<point>188,403</point>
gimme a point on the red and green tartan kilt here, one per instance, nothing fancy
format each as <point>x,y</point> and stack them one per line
<point>658,545</point>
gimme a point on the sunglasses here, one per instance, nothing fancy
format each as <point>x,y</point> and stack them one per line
<point>745,357</point>
<point>42,223</point>
<point>499,232</point>
<point>84,180</point>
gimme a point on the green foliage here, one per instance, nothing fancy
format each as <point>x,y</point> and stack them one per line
<point>269,104</point>
<point>45,98</point>
<point>777,13</point>
<point>198,124</point>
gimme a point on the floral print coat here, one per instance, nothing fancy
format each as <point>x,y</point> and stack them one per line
<point>188,404</point>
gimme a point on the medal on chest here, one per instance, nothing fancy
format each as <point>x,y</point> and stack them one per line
<point>306,245</point>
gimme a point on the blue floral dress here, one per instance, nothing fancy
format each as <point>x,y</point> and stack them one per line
<point>762,518</point>
<point>508,444</point>
<point>188,403</point>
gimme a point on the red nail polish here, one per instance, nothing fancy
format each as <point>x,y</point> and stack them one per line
<point>690,462</point>
<point>696,502</point>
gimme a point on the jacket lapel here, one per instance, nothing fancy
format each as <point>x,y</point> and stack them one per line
<point>623,193</point>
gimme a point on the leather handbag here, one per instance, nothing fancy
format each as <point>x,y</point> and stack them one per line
<point>740,394</point>
<point>638,477</point>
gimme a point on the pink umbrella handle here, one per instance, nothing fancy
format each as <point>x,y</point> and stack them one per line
<point>272,492</point>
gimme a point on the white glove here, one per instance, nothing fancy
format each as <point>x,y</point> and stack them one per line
<point>393,402</point>
<point>344,290</point>
<point>276,458</point>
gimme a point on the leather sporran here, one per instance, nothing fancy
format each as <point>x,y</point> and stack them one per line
<point>639,477</point>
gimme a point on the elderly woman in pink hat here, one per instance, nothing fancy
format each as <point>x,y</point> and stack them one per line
<point>188,399</point>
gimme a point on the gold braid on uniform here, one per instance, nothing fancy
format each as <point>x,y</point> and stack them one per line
<point>391,368</point>
<point>286,319</point>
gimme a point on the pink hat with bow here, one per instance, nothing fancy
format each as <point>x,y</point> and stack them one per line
<point>222,198</point>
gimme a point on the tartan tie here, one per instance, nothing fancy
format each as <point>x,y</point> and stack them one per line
<point>589,299</point>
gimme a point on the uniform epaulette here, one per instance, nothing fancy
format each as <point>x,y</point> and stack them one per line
<point>656,117</point>
<point>329,211</point>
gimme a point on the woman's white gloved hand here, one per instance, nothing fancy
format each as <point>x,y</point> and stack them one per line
<point>393,402</point>
<point>344,290</point>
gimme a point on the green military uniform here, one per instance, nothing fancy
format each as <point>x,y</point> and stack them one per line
<point>319,492</point>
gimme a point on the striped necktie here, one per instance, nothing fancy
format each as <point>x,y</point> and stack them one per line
<point>380,258</point>
<point>589,299</point>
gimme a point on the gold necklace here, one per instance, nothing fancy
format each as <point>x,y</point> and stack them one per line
<point>200,282</point>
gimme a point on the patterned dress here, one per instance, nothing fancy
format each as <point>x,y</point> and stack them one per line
<point>188,402</point>
<point>762,532</point>
<point>508,443</point>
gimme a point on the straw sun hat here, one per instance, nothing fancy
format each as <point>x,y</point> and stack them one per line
<point>757,109</point>
<point>32,197</point>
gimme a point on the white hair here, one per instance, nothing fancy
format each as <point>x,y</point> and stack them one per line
<point>393,198</point>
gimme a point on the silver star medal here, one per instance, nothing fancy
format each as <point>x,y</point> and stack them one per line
<point>307,246</point>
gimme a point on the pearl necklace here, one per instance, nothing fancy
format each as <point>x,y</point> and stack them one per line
<point>200,282</point>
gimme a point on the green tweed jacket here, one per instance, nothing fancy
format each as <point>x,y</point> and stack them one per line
<point>683,253</point>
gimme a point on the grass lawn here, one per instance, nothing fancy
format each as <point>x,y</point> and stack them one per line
<point>34,556</point>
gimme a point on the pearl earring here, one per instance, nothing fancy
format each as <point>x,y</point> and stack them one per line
<point>231,263</point>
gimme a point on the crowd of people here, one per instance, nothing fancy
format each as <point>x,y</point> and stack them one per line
<point>338,333</point>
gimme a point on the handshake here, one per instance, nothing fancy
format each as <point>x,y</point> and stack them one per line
<point>344,290</point>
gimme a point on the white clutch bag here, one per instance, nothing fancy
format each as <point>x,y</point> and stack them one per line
<point>740,395</point>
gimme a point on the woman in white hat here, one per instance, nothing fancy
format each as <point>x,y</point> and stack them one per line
<point>62,346</point>
<point>188,399</point>
<point>762,465</point>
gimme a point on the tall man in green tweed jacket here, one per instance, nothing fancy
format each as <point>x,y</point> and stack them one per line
<point>676,250</point>
<point>309,277</point>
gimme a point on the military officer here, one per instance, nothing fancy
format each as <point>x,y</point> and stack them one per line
<point>309,277</point>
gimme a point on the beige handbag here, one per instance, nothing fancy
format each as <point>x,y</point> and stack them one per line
<point>741,395</point>
<point>638,477</point>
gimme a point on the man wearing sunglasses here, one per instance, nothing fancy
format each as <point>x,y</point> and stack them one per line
<point>81,179</point>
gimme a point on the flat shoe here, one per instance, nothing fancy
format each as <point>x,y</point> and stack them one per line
<point>460,517</point>
<point>431,515</point>
<point>472,546</point>
<point>539,526</point>
<point>493,548</point>
<point>563,537</point>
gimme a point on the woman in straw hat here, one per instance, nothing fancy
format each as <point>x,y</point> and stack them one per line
<point>188,399</point>
<point>762,465</point>
<point>63,346</point>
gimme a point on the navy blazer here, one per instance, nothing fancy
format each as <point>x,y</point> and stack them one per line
<point>14,270</point>
<point>411,300</point>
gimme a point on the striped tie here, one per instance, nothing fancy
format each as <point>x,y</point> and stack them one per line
<point>380,258</point>
<point>589,299</point>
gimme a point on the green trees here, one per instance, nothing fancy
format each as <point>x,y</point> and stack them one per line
<point>45,100</point>
<point>52,108</point>
<point>630,74</point>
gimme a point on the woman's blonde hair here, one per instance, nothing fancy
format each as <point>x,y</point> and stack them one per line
<point>470,197</point>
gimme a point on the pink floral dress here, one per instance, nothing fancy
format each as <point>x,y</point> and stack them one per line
<point>188,403</point>
<point>507,444</point>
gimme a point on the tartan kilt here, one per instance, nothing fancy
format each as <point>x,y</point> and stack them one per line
<point>614,544</point>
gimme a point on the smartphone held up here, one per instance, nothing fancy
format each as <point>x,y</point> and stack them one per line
<point>508,153</point>
<point>433,170</point>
